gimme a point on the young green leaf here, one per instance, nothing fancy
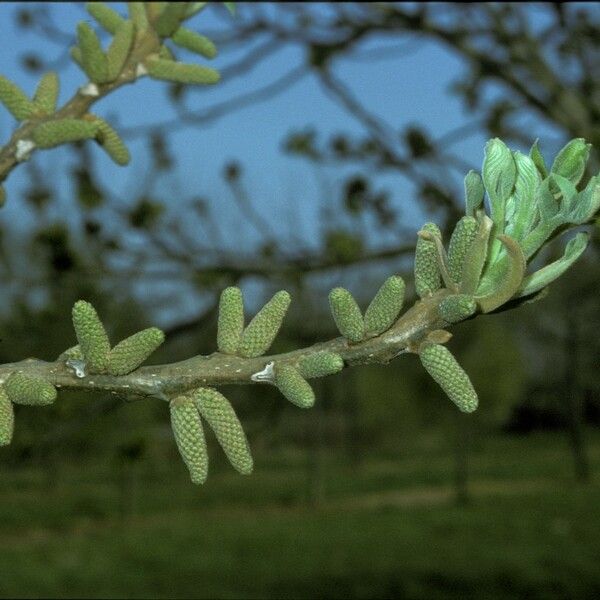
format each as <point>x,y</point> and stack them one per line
<point>528,180</point>
<point>538,159</point>
<point>476,256</point>
<point>503,286</point>
<point>571,160</point>
<point>546,275</point>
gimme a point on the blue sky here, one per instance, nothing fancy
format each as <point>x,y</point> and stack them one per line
<point>404,89</point>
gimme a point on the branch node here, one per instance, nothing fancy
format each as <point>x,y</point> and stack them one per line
<point>89,89</point>
<point>266,375</point>
<point>24,150</point>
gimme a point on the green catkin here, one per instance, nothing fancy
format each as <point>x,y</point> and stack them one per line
<point>219,414</point>
<point>457,307</point>
<point>75,53</point>
<point>167,70</point>
<point>231,320</point>
<point>153,9</point>
<point>92,57</point>
<point>72,353</point>
<point>169,19</point>
<point>26,389</point>
<point>137,13</point>
<point>108,18</point>
<point>293,386</point>
<point>450,376</point>
<point>320,364</point>
<point>385,306</point>
<point>189,436</point>
<point>427,272</point>
<point>111,142</point>
<point>46,94</point>
<point>166,53</point>
<point>129,354</point>
<point>2,196</point>
<point>462,237</point>
<point>15,100</point>
<point>91,336</point>
<point>7,418</point>
<point>346,314</point>
<point>195,42</point>
<point>55,133</point>
<point>261,331</point>
<point>118,51</point>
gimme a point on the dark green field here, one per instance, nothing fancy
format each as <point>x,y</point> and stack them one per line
<point>385,528</point>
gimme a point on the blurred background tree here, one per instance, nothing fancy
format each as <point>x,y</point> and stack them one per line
<point>524,71</point>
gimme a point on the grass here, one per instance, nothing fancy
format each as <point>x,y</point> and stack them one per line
<point>385,528</point>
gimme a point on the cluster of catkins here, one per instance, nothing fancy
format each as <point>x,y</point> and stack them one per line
<point>92,355</point>
<point>149,26</point>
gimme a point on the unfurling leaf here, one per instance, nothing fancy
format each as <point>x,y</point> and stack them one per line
<point>457,307</point>
<point>15,100</point>
<point>91,336</point>
<point>346,314</point>
<point>538,159</point>
<point>262,329</point>
<point>167,70</point>
<point>504,285</point>
<point>499,177</point>
<point>46,94</point>
<point>462,237</point>
<point>320,364</point>
<point>293,386</point>
<point>219,414</point>
<point>189,435</point>
<point>129,354</point>
<point>528,180</point>
<point>546,275</point>
<point>449,375</point>
<point>385,307</point>
<point>93,59</point>
<point>427,271</point>
<point>231,320</point>
<point>30,390</point>
<point>62,131</point>
<point>571,160</point>
<point>7,418</point>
